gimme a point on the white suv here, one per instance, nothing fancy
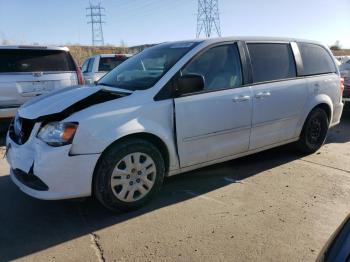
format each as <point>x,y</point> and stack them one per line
<point>28,71</point>
<point>97,66</point>
<point>173,108</point>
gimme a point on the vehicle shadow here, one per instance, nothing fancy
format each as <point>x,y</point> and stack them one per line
<point>29,225</point>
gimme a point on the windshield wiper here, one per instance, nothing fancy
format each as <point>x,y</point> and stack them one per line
<point>104,84</point>
<point>114,89</point>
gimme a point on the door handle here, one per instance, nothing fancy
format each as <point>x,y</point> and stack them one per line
<point>262,94</point>
<point>240,98</point>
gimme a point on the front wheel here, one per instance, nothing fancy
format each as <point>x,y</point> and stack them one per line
<point>314,131</point>
<point>129,175</point>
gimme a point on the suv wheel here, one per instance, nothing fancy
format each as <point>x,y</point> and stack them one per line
<point>129,175</point>
<point>314,131</point>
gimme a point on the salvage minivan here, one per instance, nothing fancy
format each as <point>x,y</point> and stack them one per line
<point>172,108</point>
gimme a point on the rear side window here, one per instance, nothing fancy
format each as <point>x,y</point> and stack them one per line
<point>316,60</point>
<point>109,63</point>
<point>30,60</point>
<point>271,61</point>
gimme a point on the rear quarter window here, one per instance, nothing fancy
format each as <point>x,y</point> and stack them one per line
<point>271,61</point>
<point>316,60</point>
<point>30,60</point>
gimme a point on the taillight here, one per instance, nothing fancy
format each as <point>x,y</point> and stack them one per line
<point>79,73</point>
<point>80,76</point>
<point>342,86</point>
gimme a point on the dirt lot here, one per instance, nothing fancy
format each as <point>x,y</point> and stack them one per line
<point>272,206</point>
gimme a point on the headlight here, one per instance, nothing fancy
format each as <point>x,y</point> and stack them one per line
<point>57,133</point>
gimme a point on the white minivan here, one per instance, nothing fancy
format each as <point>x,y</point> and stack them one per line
<point>172,108</point>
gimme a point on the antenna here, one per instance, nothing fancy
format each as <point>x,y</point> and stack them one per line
<point>94,14</point>
<point>208,19</point>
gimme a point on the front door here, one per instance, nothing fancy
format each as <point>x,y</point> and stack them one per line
<point>216,122</point>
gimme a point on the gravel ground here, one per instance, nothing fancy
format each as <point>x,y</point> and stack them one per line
<point>271,206</point>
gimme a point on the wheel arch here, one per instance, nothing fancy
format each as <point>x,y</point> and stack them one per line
<point>152,138</point>
<point>326,108</point>
<point>322,101</point>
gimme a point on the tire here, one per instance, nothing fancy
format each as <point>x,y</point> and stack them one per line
<point>314,132</point>
<point>123,176</point>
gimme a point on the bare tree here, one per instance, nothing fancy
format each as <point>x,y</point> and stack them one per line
<point>335,46</point>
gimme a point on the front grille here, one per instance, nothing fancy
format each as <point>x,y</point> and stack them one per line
<point>30,180</point>
<point>20,129</point>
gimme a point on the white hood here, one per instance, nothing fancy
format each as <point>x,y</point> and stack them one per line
<point>58,101</point>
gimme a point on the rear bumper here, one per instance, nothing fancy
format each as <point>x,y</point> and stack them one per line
<point>337,113</point>
<point>8,112</point>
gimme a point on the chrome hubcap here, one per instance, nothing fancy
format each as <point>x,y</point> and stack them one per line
<point>133,177</point>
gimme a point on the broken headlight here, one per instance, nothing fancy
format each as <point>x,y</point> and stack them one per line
<point>58,133</point>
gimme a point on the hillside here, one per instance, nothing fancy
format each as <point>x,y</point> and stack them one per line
<point>80,53</point>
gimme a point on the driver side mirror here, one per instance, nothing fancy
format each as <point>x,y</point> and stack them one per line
<point>189,83</point>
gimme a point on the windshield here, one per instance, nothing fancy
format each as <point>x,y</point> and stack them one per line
<point>143,70</point>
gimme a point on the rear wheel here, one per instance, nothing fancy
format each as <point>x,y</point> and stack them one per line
<point>314,131</point>
<point>129,175</point>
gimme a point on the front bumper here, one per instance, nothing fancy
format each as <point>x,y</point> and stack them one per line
<point>64,175</point>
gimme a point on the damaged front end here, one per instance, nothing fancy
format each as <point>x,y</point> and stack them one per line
<point>42,166</point>
<point>21,127</point>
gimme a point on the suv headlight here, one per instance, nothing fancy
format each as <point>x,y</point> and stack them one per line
<point>58,133</point>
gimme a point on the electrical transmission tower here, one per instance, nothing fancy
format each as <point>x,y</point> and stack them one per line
<point>95,12</point>
<point>208,19</point>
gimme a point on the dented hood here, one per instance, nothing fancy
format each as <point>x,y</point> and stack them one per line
<point>68,100</point>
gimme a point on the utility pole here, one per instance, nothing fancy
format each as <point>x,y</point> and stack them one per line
<point>95,14</point>
<point>208,19</point>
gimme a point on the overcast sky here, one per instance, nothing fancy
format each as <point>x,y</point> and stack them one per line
<point>151,21</point>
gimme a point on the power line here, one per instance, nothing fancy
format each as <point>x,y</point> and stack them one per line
<point>95,14</point>
<point>208,19</point>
